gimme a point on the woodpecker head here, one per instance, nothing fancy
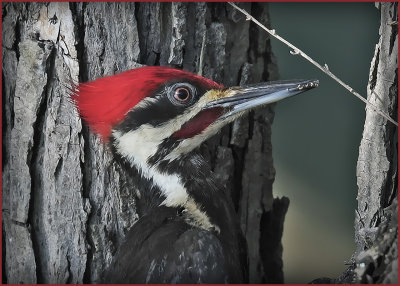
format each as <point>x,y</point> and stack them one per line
<point>152,114</point>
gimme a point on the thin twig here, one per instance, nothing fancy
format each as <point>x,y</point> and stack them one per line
<point>325,69</point>
<point>203,44</point>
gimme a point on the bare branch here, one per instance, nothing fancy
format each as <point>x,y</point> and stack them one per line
<point>325,69</point>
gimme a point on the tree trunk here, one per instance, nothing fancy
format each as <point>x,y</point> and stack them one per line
<point>66,204</point>
<point>377,213</point>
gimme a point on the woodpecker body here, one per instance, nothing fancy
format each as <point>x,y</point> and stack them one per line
<point>190,244</point>
<point>153,119</point>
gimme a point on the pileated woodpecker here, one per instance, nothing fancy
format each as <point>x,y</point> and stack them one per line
<point>153,118</point>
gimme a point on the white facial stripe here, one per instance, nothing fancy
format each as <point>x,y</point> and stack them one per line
<point>137,146</point>
<point>136,149</point>
<point>145,102</point>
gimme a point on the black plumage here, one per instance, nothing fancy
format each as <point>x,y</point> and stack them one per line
<point>163,247</point>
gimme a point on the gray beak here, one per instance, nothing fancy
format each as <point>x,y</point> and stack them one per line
<point>240,99</point>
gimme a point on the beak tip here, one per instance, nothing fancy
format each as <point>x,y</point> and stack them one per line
<point>306,85</point>
<point>314,83</point>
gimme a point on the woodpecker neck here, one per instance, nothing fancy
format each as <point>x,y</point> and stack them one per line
<point>186,183</point>
<point>189,185</point>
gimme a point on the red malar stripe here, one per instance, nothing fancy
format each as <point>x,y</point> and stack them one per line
<point>198,123</point>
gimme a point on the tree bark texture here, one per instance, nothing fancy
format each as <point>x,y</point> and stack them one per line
<point>66,204</point>
<point>376,257</point>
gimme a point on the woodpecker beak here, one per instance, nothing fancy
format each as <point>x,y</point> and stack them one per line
<point>239,99</point>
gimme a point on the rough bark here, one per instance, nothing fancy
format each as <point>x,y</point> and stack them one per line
<point>376,216</point>
<point>66,204</point>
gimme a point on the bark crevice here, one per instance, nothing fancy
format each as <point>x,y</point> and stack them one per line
<point>33,155</point>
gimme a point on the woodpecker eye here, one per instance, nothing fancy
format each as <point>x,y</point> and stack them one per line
<point>182,94</point>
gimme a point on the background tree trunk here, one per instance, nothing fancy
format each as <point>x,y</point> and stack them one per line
<point>376,257</point>
<point>66,204</point>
